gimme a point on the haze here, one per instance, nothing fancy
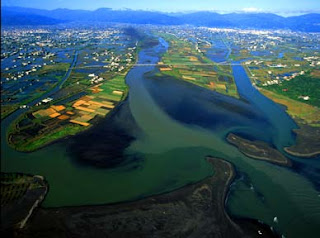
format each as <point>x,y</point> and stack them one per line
<point>283,7</point>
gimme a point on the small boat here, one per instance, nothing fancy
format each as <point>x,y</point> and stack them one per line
<point>275,219</point>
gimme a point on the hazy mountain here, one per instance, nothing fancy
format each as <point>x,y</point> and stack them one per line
<point>129,16</point>
<point>205,19</point>
<point>309,22</point>
<point>24,16</point>
<point>256,20</point>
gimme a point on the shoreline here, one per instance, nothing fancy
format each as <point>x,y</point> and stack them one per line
<point>196,210</point>
<point>302,155</point>
<point>15,213</point>
<point>307,144</point>
<point>258,150</point>
<point>307,135</point>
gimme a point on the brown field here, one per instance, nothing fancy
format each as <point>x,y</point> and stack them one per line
<point>58,108</point>
<point>44,112</point>
<point>193,58</point>
<point>80,123</point>
<point>84,109</point>
<point>87,98</point>
<point>213,85</point>
<point>209,74</point>
<point>316,73</point>
<point>53,115</point>
<point>165,69</point>
<point>306,112</point>
<point>63,117</point>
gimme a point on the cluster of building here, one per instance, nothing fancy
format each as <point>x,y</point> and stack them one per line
<point>25,51</point>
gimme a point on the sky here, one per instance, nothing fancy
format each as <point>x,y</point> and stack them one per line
<point>282,7</point>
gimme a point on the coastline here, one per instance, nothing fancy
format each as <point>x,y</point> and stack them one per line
<point>258,150</point>
<point>15,212</point>
<point>196,210</point>
<point>307,143</point>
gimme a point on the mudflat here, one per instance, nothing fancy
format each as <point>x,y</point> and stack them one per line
<point>196,210</point>
<point>307,142</point>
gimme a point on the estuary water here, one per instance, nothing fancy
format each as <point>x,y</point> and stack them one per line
<point>177,125</point>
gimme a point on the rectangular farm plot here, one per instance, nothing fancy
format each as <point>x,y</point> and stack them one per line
<point>102,111</point>
<point>58,108</point>
<point>63,117</point>
<point>51,111</point>
<point>80,123</point>
<point>54,115</point>
<point>81,108</point>
<point>116,92</point>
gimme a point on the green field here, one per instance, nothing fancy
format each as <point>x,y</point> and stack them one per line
<point>304,85</point>
<point>184,62</point>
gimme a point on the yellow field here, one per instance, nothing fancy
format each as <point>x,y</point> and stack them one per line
<point>188,78</point>
<point>165,69</point>
<point>306,112</point>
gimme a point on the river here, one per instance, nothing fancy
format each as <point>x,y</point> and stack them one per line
<point>178,124</point>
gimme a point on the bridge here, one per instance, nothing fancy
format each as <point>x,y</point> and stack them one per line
<point>166,65</point>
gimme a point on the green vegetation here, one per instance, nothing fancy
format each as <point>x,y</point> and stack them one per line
<point>299,87</point>
<point>300,95</point>
<point>8,109</point>
<point>34,142</point>
<point>183,61</point>
<point>47,123</point>
<point>298,110</point>
<point>115,84</point>
<point>53,68</point>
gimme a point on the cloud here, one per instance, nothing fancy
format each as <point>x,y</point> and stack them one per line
<point>251,9</point>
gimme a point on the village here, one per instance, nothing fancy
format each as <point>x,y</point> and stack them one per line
<point>65,81</point>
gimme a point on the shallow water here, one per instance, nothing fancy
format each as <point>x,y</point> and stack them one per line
<point>178,124</point>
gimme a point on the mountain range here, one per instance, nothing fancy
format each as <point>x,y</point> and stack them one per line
<point>15,16</point>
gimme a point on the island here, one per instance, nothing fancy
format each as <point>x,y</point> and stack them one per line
<point>258,150</point>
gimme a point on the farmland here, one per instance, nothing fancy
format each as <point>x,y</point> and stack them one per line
<point>86,79</point>
<point>183,61</point>
<point>41,127</point>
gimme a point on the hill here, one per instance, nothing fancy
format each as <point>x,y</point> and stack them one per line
<point>29,16</point>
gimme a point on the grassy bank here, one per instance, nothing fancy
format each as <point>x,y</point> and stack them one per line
<point>300,111</point>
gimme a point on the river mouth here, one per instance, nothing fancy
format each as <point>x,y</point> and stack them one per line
<point>170,129</point>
